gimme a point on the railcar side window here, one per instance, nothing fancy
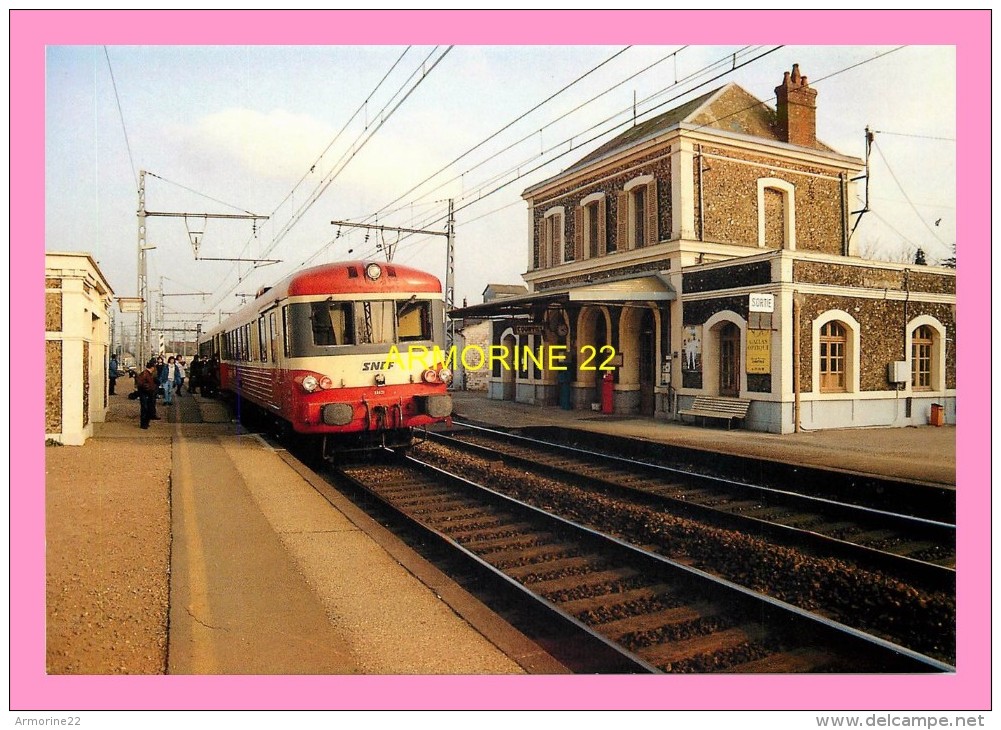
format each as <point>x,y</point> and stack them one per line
<point>413,320</point>
<point>285,332</point>
<point>332,324</point>
<point>273,320</point>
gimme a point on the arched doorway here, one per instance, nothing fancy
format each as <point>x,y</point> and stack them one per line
<point>729,360</point>
<point>592,331</point>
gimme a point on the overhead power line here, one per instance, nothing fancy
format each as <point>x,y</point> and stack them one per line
<point>907,197</point>
<point>387,111</point>
<point>121,116</point>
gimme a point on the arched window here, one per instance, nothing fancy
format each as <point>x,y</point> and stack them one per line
<point>922,345</point>
<point>636,214</point>
<point>833,357</point>
<point>552,248</point>
<point>589,227</point>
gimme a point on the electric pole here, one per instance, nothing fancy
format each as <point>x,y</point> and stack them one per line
<point>195,237</point>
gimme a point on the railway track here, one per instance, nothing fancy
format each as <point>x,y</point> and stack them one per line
<point>639,611</point>
<point>915,549</point>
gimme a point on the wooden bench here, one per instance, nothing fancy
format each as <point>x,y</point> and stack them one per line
<point>727,409</point>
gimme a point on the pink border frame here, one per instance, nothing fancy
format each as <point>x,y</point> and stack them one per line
<point>31,689</point>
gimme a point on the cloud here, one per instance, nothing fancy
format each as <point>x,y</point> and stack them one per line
<point>275,145</point>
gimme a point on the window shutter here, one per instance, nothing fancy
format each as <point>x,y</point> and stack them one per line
<point>652,235</point>
<point>578,233</point>
<point>602,227</point>
<point>622,221</point>
<point>556,239</point>
<point>540,245</point>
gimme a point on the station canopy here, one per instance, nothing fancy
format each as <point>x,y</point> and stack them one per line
<point>646,287</point>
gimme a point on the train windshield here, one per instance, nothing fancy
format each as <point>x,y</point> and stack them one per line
<point>330,324</point>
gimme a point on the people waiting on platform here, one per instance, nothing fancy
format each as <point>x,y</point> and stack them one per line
<point>169,379</point>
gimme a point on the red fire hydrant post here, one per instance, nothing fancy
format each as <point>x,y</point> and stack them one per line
<point>607,392</point>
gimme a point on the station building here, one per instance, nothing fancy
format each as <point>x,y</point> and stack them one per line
<point>78,301</point>
<point>708,251</point>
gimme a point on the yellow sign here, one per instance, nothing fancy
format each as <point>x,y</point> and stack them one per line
<point>759,352</point>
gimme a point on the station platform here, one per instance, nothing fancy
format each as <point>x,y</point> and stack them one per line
<point>256,565</point>
<point>924,454</point>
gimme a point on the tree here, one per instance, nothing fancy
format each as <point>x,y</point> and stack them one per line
<point>919,257</point>
<point>951,261</point>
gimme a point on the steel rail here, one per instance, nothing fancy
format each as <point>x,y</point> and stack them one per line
<point>885,653</point>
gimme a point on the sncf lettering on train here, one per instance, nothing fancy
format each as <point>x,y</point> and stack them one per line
<point>378,365</point>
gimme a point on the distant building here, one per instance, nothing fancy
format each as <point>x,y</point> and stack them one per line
<point>78,301</point>
<point>707,251</point>
<point>475,333</point>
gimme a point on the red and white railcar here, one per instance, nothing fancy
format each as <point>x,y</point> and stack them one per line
<point>317,353</point>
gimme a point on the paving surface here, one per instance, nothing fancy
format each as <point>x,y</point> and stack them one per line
<point>196,522</point>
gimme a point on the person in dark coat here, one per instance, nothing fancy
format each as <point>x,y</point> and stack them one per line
<point>146,384</point>
<point>194,373</point>
<point>210,377</point>
<point>112,374</point>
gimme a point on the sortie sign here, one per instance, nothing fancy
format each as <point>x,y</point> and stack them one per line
<point>761,303</point>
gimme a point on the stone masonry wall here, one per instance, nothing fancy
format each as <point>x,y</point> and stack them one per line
<point>730,200</point>
<point>882,339</point>
<point>610,181</point>
<point>53,386</point>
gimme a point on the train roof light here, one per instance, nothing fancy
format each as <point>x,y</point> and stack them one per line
<point>373,271</point>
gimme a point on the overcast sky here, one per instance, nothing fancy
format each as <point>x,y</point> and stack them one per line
<point>307,135</point>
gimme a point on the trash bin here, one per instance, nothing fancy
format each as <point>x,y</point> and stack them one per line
<point>937,417</point>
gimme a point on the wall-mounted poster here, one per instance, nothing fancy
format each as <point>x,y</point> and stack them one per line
<point>691,349</point>
<point>759,352</point>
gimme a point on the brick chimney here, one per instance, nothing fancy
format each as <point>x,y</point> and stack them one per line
<point>796,104</point>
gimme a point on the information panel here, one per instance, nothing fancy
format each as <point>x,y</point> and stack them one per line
<point>759,352</point>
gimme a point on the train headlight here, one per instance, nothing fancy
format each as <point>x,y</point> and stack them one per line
<point>380,379</point>
<point>445,375</point>
<point>430,376</point>
<point>326,383</point>
<point>310,383</point>
<point>373,271</point>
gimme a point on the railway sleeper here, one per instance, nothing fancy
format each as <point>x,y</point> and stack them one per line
<point>508,531</point>
<point>796,661</point>
<point>449,512</point>
<point>536,556</point>
<point>666,621</point>
<point>660,592</point>
<point>517,541</point>
<point>702,652</point>
<point>613,581</point>
<point>577,564</point>
<point>476,522</point>
<point>743,506</point>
